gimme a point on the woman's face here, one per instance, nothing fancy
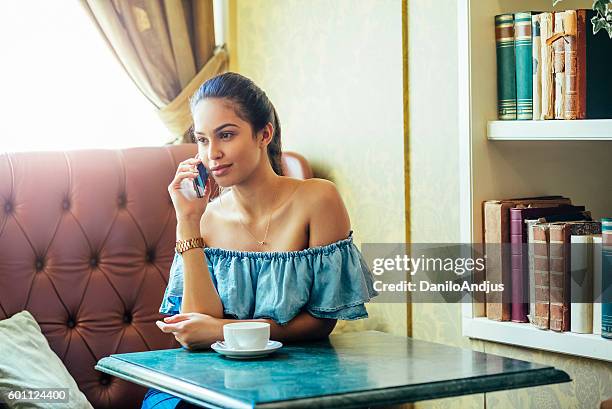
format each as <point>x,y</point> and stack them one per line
<point>225,141</point>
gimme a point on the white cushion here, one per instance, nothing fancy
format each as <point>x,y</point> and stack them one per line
<point>27,362</point>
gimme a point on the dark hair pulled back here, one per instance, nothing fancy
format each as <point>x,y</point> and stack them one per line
<point>251,104</point>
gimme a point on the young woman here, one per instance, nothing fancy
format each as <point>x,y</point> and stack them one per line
<point>275,249</point>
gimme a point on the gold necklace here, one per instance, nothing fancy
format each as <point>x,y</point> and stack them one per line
<point>260,242</point>
<point>263,242</point>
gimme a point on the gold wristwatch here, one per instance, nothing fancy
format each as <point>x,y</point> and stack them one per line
<point>184,245</point>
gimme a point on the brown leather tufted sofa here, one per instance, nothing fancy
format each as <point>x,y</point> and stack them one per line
<point>86,242</point>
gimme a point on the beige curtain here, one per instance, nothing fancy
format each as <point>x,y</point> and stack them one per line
<point>167,47</point>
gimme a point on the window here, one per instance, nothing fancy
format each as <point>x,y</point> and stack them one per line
<point>61,86</point>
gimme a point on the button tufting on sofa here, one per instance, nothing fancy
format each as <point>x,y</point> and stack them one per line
<point>71,323</point>
<point>66,204</point>
<point>150,256</point>
<point>8,207</point>
<point>127,318</point>
<point>40,263</point>
<point>105,380</point>
<point>122,200</point>
<point>93,261</point>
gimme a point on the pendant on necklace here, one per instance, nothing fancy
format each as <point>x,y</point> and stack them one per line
<point>261,243</point>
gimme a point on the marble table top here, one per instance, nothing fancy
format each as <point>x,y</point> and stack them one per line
<point>348,370</point>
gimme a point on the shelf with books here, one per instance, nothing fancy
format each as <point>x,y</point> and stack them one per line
<point>574,130</point>
<point>578,168</point>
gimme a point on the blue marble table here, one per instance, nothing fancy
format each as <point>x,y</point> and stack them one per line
<point>347,371</point>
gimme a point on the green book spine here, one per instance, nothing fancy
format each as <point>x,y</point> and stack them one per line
<point>523,52</point>
<point>506,72</point>
<point>606,275</point>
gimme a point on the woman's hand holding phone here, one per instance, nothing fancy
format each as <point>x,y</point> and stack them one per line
<point>188,195</point>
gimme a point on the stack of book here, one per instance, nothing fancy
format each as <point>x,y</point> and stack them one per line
<point>552,66</point>
<point>554,261</point>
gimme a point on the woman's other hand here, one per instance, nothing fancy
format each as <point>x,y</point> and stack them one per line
<point>193,330</point>
<point>187,205</point>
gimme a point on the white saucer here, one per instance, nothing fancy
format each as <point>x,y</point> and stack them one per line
<point>223,349</point>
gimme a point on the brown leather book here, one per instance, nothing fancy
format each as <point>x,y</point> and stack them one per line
<point>593,82</point>
<point>541,317</point>
<point>575,58</point>
<point>496,225</point>
<point>559,252</point>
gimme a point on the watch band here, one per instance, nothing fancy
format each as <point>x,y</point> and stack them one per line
<point>184,245</point>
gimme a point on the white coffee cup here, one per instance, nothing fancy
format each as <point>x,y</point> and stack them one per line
<point>246,335</point>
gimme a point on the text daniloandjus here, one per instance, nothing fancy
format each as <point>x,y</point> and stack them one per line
<point>447,286</point>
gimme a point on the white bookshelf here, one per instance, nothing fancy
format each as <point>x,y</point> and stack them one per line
<point>527,335</point>
<point>570,158</point>
<point>580,130</point>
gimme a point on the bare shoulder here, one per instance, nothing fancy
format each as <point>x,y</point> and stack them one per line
<point>328,218</point>
<point>212,216</point>
<point>214,206</point>
<point>317,190</point>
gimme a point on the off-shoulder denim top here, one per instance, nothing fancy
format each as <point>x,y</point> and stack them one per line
<point>331,281</point>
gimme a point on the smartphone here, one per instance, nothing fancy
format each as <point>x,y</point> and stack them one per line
<point>199,182</point>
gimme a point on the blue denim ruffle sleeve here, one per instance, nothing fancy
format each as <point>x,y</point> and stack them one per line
<point>331,281</point>
<point>173,296</point>
<point>342,283</point>
<point>171,302</point>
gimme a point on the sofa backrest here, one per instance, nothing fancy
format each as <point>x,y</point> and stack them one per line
<point>86,242</point>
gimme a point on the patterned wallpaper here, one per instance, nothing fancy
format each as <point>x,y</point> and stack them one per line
<point>333,69</point>
<point>434,209</point>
